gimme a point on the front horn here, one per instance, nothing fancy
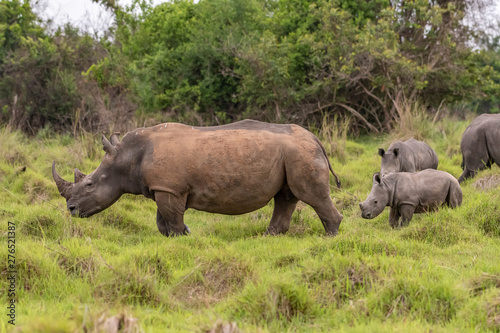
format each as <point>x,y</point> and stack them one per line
<point>62,185</point>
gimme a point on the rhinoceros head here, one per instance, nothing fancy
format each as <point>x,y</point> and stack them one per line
<point>91,194</point>
<point>390,161</point>
<point>377,199</point>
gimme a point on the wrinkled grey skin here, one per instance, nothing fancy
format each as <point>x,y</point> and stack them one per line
<point>408,156</point>
<point>230,169</point>
<point>408,193</point>
<point>480,145</point>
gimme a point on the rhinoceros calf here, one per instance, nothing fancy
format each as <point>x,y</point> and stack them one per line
<point>409,193</point>
<point>230,169</point>
<point>408,156</point>
<point>480,145</point>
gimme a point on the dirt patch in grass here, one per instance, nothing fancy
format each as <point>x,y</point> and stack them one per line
<point>483,282</point>
<point>223,327</point>
<point>211,282</point>
<point>130,286</point>
<point>493,314</point>
<point>487,182</point>
<point>332,286</point>
<point>114,324</point>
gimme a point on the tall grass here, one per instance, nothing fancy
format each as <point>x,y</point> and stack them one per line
<point>441,273</point>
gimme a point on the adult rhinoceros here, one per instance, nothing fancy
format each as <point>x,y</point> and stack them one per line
<point>230,169</point>
<point>480,145</point>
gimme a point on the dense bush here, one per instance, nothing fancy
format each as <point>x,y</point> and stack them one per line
<point>216,61</point>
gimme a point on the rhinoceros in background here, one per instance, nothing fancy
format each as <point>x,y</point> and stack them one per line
<point>480,145</point>
<point>230,169</point>
<point>408,193</point>
<point>408,156</point>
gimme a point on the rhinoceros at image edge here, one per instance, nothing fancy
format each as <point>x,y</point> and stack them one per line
<point>480,145</point>
<point>229,169</point>
<point>408,156</point>
<point>408,193</point>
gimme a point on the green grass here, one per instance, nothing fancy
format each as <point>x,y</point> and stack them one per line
<point>441,273</point>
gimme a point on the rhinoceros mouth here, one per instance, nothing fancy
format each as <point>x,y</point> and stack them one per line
<point>85,213</point>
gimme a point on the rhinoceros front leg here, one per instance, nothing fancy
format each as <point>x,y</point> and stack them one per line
<point>170,214</point>
<point>406,212</point>
<point>284,205</point>
<point>394,217</point>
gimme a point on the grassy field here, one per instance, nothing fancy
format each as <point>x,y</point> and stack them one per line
<point>441,273</point>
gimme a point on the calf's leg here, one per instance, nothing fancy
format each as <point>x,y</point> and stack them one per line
<point>394,217</point>
<point>406,212</point>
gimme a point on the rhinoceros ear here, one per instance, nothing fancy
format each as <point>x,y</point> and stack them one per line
<point>79,175</point>
<point>114,138</point>
<point>396,151</point>
<point>376,178</point>
<point>381,152</point>
<point>107,146</point>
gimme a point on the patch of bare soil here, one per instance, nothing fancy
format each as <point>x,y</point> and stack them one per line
<point>118,323</point>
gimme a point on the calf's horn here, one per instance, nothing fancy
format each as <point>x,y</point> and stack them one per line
<point>62,185</point>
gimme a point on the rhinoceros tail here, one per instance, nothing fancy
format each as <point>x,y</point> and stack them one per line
<point>337,180</point>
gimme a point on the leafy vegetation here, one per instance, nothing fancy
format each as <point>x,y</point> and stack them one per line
<point>440,273</point>
<point>216,61</point>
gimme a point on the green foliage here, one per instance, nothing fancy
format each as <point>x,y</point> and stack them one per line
<point>221,60</point>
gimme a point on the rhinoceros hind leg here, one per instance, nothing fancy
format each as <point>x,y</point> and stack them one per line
<point>406,212</point>
<point>284,205</point>
<point>170,215</point>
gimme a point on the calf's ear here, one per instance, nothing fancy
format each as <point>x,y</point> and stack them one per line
<point>381,152</point>
<point>396,151</point>
<point>376,178</point>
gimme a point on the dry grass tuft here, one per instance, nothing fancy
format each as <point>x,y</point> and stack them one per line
<point>483,282</point>
<point>118,323</point>
<point>494,314</point>
<point>37,226</point>
<point>487,182</point>
<point>337,287</point>
<point>81,267</point>
<point>211,282</point>
<point>222,327</point>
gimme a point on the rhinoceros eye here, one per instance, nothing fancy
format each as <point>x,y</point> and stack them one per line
<point>88,185</point>
<point>375,202</point>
